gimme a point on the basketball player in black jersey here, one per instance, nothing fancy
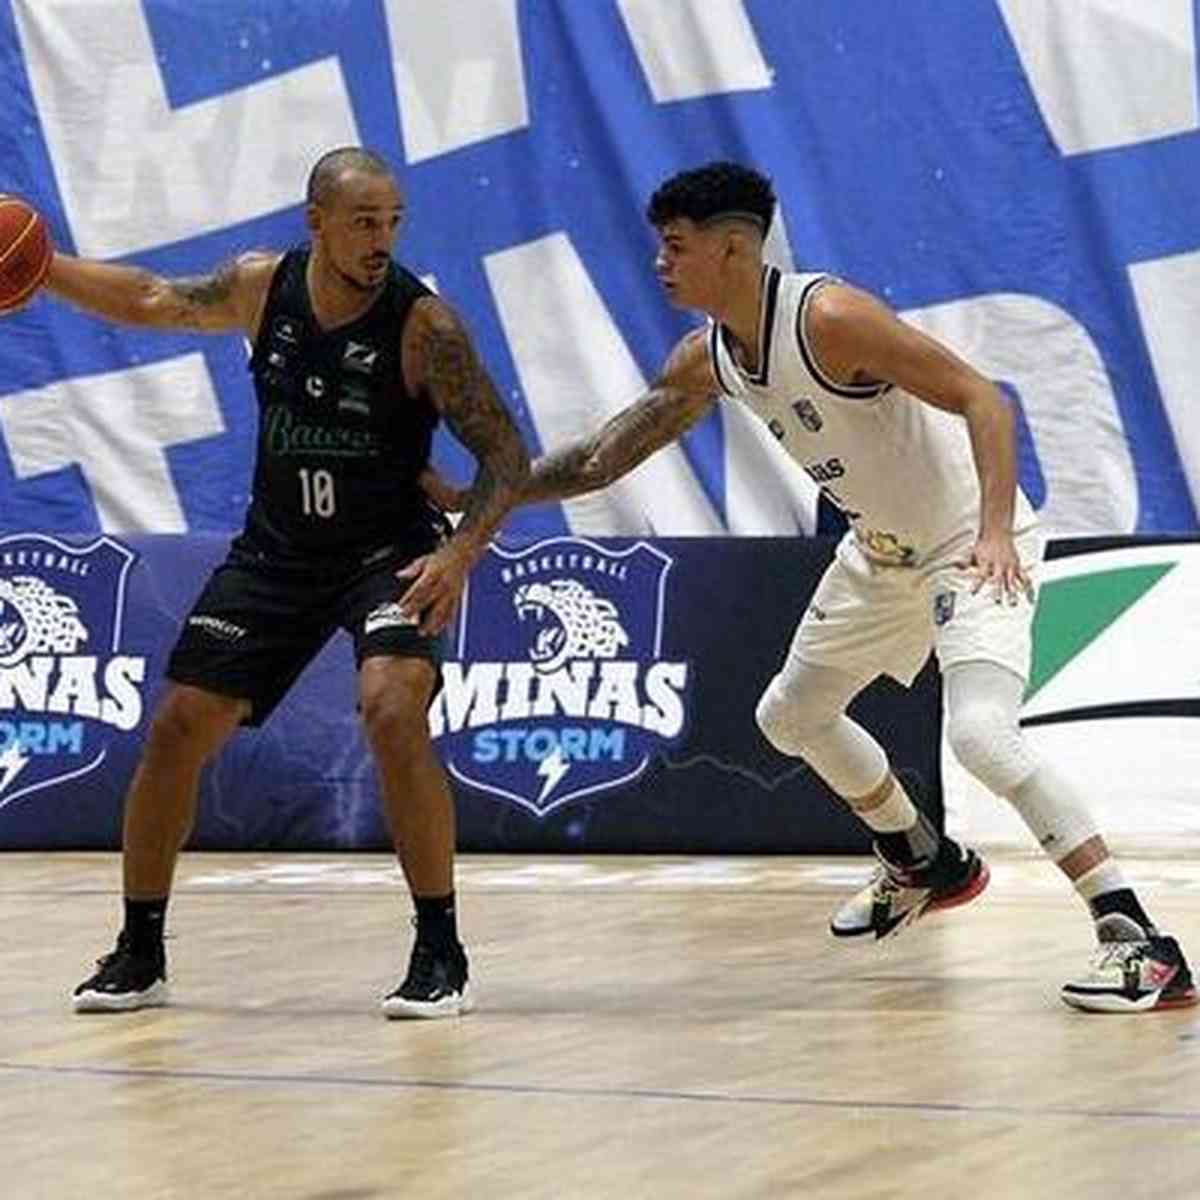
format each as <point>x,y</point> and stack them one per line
<point>354,363</point>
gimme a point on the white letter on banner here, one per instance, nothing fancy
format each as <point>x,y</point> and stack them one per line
<point>132,172</point>
<point>116,427</point>
<point>459,73</point>
<point>1043,352</point>
<point>691,48</point>
<point>577,372</point>
<point>1108,72</point>
<point>1167,292</point>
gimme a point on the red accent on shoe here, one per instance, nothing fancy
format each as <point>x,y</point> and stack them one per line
<point>1182,999</point>
<point>965,894</point>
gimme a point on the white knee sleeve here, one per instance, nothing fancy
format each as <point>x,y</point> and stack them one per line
<point>1055,814</point>
<point>802,714</point>
<point>982,702</point>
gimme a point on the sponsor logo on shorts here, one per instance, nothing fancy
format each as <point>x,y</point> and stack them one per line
<point>943,608</point>
<point>377,556</point>
<point>226,631</point>
<point>387,616</point>
<point>68,689</point>
<point>887,548</point>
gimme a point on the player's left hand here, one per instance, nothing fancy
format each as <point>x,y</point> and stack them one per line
<point>437,583</point>
<point>994,562</point>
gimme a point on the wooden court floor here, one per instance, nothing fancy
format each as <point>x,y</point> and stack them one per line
<point>652,1028</point>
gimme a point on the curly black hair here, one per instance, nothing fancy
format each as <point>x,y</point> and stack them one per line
<point>714,190</point>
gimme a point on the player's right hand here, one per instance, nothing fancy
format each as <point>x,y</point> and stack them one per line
<point>438,580</point>
<point>994,562</point>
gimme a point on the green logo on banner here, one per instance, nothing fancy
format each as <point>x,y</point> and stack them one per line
<point>1073,612</point>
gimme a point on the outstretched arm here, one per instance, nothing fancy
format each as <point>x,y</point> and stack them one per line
<point>680,396</point>
<point>440,360</point>
<point>230,298</point>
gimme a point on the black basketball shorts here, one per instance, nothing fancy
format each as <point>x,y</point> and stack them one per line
<point>255,626</point>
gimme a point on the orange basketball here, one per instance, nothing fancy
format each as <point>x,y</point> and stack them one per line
<point>25,252</point>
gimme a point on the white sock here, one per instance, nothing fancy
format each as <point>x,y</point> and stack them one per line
<point>896,814</point>
<point>1104,877</point>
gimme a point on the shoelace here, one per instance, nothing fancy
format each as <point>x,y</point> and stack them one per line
<point>120,950</point>
<point>122,947</point>
<point>889,879</point>
<point>1117,953</point>
<point>420,969</point>
<point>885,883</point>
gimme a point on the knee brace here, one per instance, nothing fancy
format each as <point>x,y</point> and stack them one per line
<point>987,740</point>
<point>982,703</point>
<point>786,721</point>
<point>1055,814</point>
<point>803,716</point>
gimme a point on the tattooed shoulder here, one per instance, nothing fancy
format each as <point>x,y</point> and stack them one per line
<point>444,361</point>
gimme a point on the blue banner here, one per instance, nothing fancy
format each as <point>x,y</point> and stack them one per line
<point>598,696</point>
<point>998,170</point>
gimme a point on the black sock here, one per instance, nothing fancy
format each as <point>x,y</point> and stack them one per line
<point>915,847</point>
<point>144,920</point>
<point>435,920</point>
<point>1122,901</point>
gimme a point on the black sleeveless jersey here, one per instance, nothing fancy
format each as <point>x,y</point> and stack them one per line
<point>341,441</point>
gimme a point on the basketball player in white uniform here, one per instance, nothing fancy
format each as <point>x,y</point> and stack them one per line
<point>917,449</point>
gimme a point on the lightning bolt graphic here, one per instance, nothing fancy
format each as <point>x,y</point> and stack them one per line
<point>552,768</point>
<point>11,762</point>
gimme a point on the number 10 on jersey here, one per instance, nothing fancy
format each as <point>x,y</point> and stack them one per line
<point>317,496</point>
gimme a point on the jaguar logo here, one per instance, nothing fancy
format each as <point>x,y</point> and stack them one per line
<point>35,619</point>
<point>574,623</point>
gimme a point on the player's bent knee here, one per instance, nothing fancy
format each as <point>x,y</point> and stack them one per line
<point>394,719</point>
<point>191,724</point>
<point>785,721</point>
<point>990,745</point>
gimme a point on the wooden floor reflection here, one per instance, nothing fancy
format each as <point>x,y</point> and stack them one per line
<point>645,1028</point>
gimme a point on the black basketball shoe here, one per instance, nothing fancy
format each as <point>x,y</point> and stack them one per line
<point>124,981</point>
<point>436,984</point>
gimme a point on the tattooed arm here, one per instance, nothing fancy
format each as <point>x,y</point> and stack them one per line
<point>680,396</point>
<point>230,298</point>
<point>446,495</point>
<point>440,361</point>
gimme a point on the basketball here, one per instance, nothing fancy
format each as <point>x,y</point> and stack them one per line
<point>25,252</point>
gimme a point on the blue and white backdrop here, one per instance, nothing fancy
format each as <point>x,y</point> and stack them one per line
<point>1021,177</point>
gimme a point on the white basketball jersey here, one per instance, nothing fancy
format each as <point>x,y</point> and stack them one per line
<point>901,470</point>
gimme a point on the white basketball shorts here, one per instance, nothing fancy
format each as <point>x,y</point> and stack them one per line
<point>867,619</point>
